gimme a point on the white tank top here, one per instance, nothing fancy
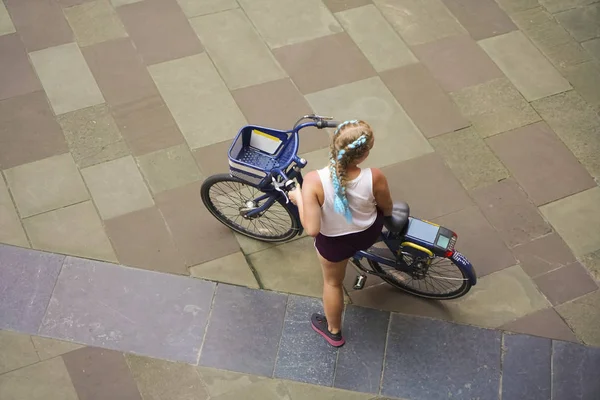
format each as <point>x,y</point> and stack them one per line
<point>361,200</point>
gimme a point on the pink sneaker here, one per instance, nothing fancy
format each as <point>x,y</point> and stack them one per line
<point>319,325</point>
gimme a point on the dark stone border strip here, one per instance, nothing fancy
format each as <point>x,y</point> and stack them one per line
<point>266,333</point>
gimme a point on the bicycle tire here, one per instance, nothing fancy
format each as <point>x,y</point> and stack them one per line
<point>237,224</point>
<point>390,279</point>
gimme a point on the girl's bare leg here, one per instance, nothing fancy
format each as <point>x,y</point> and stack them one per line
<point>333,292</point>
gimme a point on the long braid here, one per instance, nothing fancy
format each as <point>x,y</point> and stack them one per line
<point>340,158</point>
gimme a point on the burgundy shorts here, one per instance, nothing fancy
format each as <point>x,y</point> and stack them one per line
<point>339,248</point>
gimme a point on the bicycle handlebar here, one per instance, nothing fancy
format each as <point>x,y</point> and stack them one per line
<point>327,124</point>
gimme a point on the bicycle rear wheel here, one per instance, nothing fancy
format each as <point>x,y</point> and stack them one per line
<point>226,197</point>
<point>442,279</point>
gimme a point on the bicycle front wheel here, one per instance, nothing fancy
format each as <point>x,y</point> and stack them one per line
<point>227,198</point>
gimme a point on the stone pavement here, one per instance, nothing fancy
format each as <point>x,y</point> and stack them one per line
<point>113,112</point>
<point>221,341</point>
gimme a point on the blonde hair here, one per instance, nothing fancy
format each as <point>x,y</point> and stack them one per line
<point>351,141</point>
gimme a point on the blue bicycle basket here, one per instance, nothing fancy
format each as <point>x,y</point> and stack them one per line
<point>256,151</point>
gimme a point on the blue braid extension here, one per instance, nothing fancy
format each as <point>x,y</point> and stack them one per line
<point>340,203</point>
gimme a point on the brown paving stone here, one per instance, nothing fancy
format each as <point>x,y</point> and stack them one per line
<point>585,78</point>
<point>159,30</point>
<point>514,6</point>
<point>40,23</point>
<point>141,239</point>
<point>280,105</point>
<point>231,269</point>
<point>17,75</point>
<point>457,62</point>
<point>92,135</point>
<point>423,195</point>
<point>543,255</point>
<point>193,8</point>
<point>70,3</point>
<point>94,22</point>
<point>169,168</point>
<point>509,210</point>
<point>566,283</point>
<point>423,99</point>
<point>196,233</point>
<point>583,316</point>
<point>469,158</point>
<point>12,231</point>
<point>541,163</point>
<point>147,125</point>
<point>582,22</point>
<point>213,159</point>
<point>545,323</point>
<point>17,351</point>
<point>592,262</point>
<point>481,18</point>
<point>101,374</point>
<point>478,241</point>
<point>47,348</point>
<point>555,6</point>
<point>342,5</point>
<point>311,71</point>
<point>27,120</point>
<point>593,47</point>
<point>119,71</point>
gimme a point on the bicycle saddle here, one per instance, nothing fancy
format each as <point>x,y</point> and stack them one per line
<point>397,221</point>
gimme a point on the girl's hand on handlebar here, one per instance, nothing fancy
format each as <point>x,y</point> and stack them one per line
<point>295,195</point>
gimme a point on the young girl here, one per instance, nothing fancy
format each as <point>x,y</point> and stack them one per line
<point>342,206</point>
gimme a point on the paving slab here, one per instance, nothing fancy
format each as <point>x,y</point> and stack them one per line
<point>47,348</point>
<point>17,351</point>
<point>285,22</point>
<point>252,349</point>
<point>92,368</point>
<point>481,18</point>
<point>12,231</point>
<point>233,269</point>
<point>525,65</point>
<point>593,47</point>
<point>514,6</point>
<point>46,185</point>
<point>41,24</point>
<point>76,230</point>
<point>526,367</point>
<point>555,6</point>
<point>585,79</point>
<point>299,343</point>
<point>228,34</point>
<point>573,369</point>
<point>425,102</point>
<point>543,323</point>
<point>592,263</point>
<point>198,99</point>
<point>28,278</point>
<point>420,22</point>
<point>169,168</point>
<point>17,77</point>
<point>511,213</point>
<point>566,283</point>
<point>46,380</point>
<point>478,241</point>
<point>495,107</point>
<point>397,137</point>
<point>92,136</point>
<point>575,218</point>
<point>382,46</point>
<point>210,158</point>
<point>303,391</point>
<point>582,316</point>
<point>219,382</point>
<point>541,163</point>
<point>119,71</point>
<point>160,379</point>
<point>94,22</point>
<point>342,5</point>
<point>360,361</point>
<point>141,239</point>
<point>469,158</point>
<point>120,308</point>
<point>576,123</point>
<point>193,8</point>
<point>24,120</point>
<point>6,24</point>
<point>292,268</point>
<point>311,72</point>
<point>582,22</point>
<point>159,30</point>
<point>470,367</point>
<point>66,78</point>
<point>457,62</point>
<point>543,255</point>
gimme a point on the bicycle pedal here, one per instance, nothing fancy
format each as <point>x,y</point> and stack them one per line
<point>360,281</point>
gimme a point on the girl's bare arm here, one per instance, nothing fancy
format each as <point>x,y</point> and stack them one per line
<point>307,201</point>
<point>381,191</point>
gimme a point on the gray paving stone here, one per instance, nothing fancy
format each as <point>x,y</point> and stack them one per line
<point>526,368</point>
<point>126,309</point>
<point>575,372</point>
<point>244,330</point>
<point>360,361</point>
<point>27,278</point>
<point>304,356</point>
<point>461,361</point>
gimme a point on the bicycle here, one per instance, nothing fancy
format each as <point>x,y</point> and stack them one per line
<point>252,200</point>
